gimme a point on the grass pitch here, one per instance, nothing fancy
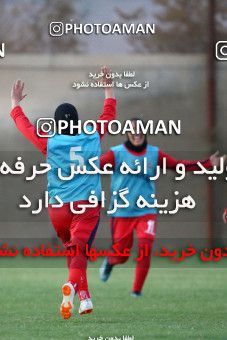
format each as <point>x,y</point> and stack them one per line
<point>177,304</point>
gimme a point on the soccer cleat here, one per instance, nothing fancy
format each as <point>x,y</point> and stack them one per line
<point>136,294</point>
<point>105,270</point>
<point>86,306</point>
<point>67,307</point>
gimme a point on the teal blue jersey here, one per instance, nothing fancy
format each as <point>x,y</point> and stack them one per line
<point>64,151</point>
<point>137,184</point>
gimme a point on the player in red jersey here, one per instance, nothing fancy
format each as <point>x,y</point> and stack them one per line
<point>142,221</point>
<point>75,230</point>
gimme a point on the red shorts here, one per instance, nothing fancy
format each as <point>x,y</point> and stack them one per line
<point>122,228</point>
<point>75,229</point>
<point>122,234</point>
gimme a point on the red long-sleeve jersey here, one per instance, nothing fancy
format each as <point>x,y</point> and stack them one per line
<point>171,162</point>
<point>29,131</point>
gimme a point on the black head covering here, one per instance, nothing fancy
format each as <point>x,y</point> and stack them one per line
<point>66,112</point>
<point>138,148</point>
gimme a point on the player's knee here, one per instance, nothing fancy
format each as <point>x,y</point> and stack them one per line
<point>64,237</point>
<point>146,243</point>
<point>123,259</point>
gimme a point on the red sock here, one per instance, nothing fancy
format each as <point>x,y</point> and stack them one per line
<point>69,258</point>
<point>78,275</point>
<point>78,278</point>
<point>143,266</point>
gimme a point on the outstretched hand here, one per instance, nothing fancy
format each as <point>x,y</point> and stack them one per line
<point>106,78</point>
<point>225,215</point>
<point>216,159</point>
<point>17,93</point>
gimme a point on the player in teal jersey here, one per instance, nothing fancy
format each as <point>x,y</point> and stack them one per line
<point>76,231</point>
<point>126,221</point>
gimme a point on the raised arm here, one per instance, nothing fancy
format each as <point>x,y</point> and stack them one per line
<point>109,107</point>
<point>106,79</point>
<point>21,121</point>
<point>171,162</point>
<point>225,215</point>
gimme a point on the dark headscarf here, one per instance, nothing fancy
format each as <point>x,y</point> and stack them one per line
<point>66,112</point>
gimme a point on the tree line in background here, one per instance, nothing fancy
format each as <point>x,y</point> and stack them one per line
<point>181,25</point>
<point>25,24</point>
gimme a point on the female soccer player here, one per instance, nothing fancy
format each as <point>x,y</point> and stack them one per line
<point>143,221</point>
<point>75,230</point>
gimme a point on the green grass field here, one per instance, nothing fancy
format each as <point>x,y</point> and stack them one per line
<point>177,304</point>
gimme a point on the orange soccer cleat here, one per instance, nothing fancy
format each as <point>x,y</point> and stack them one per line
<point>67,307</point>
